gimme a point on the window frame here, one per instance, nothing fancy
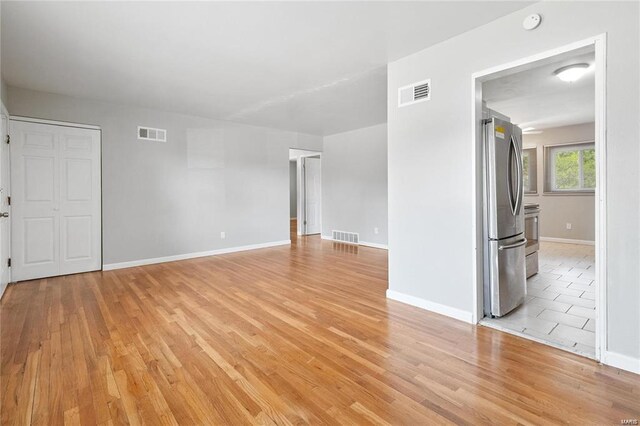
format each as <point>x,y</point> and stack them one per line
<point>532,151</point>
<point>549,167</point>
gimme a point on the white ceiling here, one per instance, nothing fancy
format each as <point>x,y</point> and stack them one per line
<point>314,67</point>
<point>537,98</point>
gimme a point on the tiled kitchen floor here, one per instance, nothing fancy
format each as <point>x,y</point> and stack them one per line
<point>560,303</point>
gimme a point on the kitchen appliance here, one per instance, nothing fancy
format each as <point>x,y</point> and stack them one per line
<point>505,276</point>
<point>532,234</point>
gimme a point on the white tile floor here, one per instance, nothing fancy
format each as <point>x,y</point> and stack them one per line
<point>560,303</point>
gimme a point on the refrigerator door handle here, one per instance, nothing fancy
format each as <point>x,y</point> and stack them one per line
<point>513,198</point>
<point>514,245</point>
<point>520,175</point>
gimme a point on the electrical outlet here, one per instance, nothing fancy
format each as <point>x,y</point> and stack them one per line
<point>376,231</point>
<point>568,225</point>
<point>223,235</point>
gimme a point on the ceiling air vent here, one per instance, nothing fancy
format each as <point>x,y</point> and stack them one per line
<point>151,134</point>
<point>414,93</point>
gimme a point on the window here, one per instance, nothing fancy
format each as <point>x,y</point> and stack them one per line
<point>530,170</point>
<point>570,168</point>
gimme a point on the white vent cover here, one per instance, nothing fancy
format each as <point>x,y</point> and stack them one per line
<point>346,237</point>
<point>414,93</point>
<point>151,134</point>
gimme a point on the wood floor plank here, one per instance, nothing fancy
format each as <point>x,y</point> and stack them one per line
<point>287,335</point>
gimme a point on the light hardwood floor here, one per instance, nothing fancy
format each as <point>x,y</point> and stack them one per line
<point>288,335</point>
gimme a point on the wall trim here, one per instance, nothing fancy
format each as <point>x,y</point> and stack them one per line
<point>53,122</point>
<point>438,308</point>
<point>151,261</point>
<point>568,241</point>
<point>623,362</point>
<point>362,243</point>
<point>374,245</point>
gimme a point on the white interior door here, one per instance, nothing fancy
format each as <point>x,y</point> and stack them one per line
<point>5,209</point>
<point>56,200</point>
<point>312,196</point>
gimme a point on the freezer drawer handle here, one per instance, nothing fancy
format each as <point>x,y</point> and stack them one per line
<point>514,245</point>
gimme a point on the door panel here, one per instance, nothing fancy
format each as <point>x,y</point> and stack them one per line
<point>57,202</point>
<point>77,180</point>
<point>39,175</point>
<point>80,201</point>
<point>312,196</point>
<point>77,238</point>
<point>500,185</point>
<point>40,235</point>
<point>38,140</point>
<point>508,276</point>
<point>34,183</point>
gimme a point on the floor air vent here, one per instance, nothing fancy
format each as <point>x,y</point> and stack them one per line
<point>414,93</point>
<point>346,237</point>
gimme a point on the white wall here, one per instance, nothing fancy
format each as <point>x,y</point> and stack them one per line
<point>354,183</point>
<point>431,212</point>
<point>293,190</point>
<point>3,92</point>
<point>173,198</point>
<point>558,210</point>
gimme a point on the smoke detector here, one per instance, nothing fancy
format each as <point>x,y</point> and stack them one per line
<point>532,22</point>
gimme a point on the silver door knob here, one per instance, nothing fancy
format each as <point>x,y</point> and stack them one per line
<point>4,214</point>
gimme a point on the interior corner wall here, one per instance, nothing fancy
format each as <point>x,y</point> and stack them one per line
<point>293,190</point>
<point>175,198</point>
<point>432,239</point>
<point>556,210</point>
<point>354,184</point>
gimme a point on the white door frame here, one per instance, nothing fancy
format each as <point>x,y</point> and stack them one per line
<point>302,195</point>
<point>599,42</point>
<point>5,114</point>
<point>80,126</point>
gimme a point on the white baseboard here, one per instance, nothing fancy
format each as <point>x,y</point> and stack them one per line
<point>568,241</point>
<point>362,243</point>
<point>623,362</point>
<point>130,264</point>
<point>374,245</point>
<point>455,313</point>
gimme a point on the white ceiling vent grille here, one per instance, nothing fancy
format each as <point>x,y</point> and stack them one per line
<point>151,134</point>
<point>414,93</point>
<point>346,237</point>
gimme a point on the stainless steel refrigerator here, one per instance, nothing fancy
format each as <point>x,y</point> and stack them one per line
<point>505,272</point>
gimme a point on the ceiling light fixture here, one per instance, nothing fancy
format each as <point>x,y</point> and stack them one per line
<point>571,73</point>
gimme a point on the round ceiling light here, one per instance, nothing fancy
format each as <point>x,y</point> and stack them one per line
<point>571,73</point>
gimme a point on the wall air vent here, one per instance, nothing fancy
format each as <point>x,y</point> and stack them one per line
<point>414,93</point>
<point>151,134</point>
<point>346,237</point>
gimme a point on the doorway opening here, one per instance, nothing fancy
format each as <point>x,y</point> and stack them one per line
<point>305,193</point>
<point>548,285</point>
